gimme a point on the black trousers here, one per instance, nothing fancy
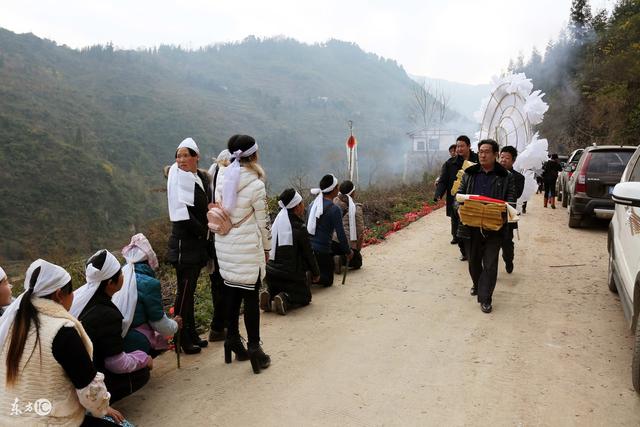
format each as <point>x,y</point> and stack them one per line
<point>507,244</point>
<point>297,293</point>
<point>123,385</point>
<point>326,265</point>
<point>187,281</point>
<point>455,222</point>
<point>234,297</point>
<point>483,250</point>
<point>218,318</point>
<point>90,421</point>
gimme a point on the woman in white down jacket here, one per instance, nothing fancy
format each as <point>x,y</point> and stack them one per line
<point>242,253</point>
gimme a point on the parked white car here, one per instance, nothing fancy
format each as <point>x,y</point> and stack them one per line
<point>624,252</point>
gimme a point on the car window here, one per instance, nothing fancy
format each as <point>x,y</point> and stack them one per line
<point>608,162</point>
<point>576,157</point>
<point>635,174</point>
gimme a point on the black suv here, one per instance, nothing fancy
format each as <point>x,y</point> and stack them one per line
<point>598,171</point>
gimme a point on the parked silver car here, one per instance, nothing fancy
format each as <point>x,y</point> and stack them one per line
<point>563,177</point>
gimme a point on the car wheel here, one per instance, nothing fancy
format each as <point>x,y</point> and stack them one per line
<point>635,364</point>
<point>559,193</point>
<point>610,280</point>
<point>565,200</point>
<point>574,220</point>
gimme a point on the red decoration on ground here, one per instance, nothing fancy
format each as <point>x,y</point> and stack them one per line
<point>392,227</point>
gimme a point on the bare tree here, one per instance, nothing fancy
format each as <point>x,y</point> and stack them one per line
<point>429,107</point>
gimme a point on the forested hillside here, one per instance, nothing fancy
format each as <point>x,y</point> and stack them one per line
<point>591,75</point>
<point>84,133</point>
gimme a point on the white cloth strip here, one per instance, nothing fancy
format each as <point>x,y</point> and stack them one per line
<point>316,209</point>
<point>180,192</point>
<point>281,227</point>
<point>232,178</point>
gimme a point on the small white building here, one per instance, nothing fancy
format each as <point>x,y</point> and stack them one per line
<point>429,149</point>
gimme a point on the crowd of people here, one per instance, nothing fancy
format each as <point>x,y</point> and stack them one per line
<point>488,173</point>
<point>80,351</point>
<point>68,355</point>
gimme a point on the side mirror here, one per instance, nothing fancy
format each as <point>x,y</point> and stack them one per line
<point>627,193</point>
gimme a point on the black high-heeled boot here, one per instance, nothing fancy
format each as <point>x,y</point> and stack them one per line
<point>235,345</point>
<point>259,360</point>
<point>186,343</point>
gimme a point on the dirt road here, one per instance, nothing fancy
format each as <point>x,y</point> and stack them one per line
<point>403,343</point>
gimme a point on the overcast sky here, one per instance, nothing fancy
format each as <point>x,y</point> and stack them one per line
<point>461,40</point>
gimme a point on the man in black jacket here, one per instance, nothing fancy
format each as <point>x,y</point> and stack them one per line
<point>488,178</point>
<point>290,258</point>
<point>448,176</point>
<point>508,156</point>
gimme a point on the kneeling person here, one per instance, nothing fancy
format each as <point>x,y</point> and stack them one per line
<point>353,223</point>
<point>325,219</point>
<point>290,258</point>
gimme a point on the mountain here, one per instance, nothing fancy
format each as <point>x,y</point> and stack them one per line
<point>85,133</point>
<point>464,98</point>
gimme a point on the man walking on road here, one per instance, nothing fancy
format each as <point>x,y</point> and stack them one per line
<point>489,179</point>
<point>508,156</point>
<point>448,176</point>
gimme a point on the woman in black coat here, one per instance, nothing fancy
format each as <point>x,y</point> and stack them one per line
<point>187,248</point>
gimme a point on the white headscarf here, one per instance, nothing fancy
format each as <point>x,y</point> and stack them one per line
<point>353,234</point>
<point>126,298</point>
<point>50,279</point>
<point>84,293</point>
<point>180,187</point>
<point>232,178</point>
<point>281,227</point>
<point>316,207</point>
<point>189,143</point>
<point>3,275</point>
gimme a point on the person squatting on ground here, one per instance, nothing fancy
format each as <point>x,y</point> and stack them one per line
<point>187,247</point>
<point>124,372</point>
<point>353,223</point>
<point>145,325</point>
<point>324,219</point>
<point>508,157</point>
<point>488,178</point>
<point>46,356</point>
<point>218,319</point>
<point>290,258</point>
<point>550,171</point>
<point>243,252</point>
<point>448,176</point>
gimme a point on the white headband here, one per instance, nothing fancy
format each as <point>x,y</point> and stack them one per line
<point>50,279</point>
<point>297,198</point>
<point>84,293</point>
<point>189,143</point>
<point>3,275</point>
